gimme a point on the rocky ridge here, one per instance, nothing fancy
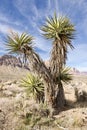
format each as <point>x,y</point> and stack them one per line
<point>10,60</point>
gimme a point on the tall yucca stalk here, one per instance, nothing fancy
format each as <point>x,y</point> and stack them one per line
<point>61,31</point>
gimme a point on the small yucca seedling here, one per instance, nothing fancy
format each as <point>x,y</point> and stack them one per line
<point>34,86</point>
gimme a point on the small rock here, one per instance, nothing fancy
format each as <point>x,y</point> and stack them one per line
<point>8,83</point>
<point>0,80</point>
<point>7,93</point>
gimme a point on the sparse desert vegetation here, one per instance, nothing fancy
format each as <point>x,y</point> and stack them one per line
<point>19,111</point>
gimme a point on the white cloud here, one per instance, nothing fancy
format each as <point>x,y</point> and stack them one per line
<point>77,11</point>
<point>44,47</point>
<point>49,4</point>
<point>26,7</point>
<point>33,14</point>
<point>2,52</point>
<point>1,45</point>
<point>6,29</point>
<point>2,48</point>
<point>43,44</point>
<point>7,19</point>
<point>3,17</point>
<point>29,10</point>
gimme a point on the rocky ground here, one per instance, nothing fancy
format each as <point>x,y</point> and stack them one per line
<point>15,105</point>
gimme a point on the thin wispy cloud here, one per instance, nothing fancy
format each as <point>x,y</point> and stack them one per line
<point>44,46</point>
<point>27,9</point>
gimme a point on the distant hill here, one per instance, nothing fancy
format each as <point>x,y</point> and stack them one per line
<point>76,71</point>
<point>10,60</point>
<point>12,68</point>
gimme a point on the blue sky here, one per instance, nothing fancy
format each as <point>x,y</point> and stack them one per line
<point>29,15</point>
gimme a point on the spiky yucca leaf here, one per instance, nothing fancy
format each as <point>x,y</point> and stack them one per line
<point>33,85</point>
<point>65,75</point>
<point>18,43</point>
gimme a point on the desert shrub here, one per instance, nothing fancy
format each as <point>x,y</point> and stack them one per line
<point>31,119</point>
<point>22,127</point>
<point>34,121</point>
<point>39,110</point>
<point>80,95</point>
<point>78,122</point>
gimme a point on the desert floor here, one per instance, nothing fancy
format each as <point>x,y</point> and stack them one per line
<point>14,104</point>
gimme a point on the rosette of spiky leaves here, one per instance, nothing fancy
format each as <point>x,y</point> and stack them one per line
<point>65,75</point>
<point>58,28</point>
<point>33,85</point>
<point>19,43</point>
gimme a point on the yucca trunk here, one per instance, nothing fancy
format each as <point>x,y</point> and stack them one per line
<point>59,101</point>
<point>38,67</point>
<point>58,57</point>
<point>57,62</point>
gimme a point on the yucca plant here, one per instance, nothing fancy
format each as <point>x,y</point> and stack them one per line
<point>23,45</point>
<point>61,31</point>
<point>34,86</point>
